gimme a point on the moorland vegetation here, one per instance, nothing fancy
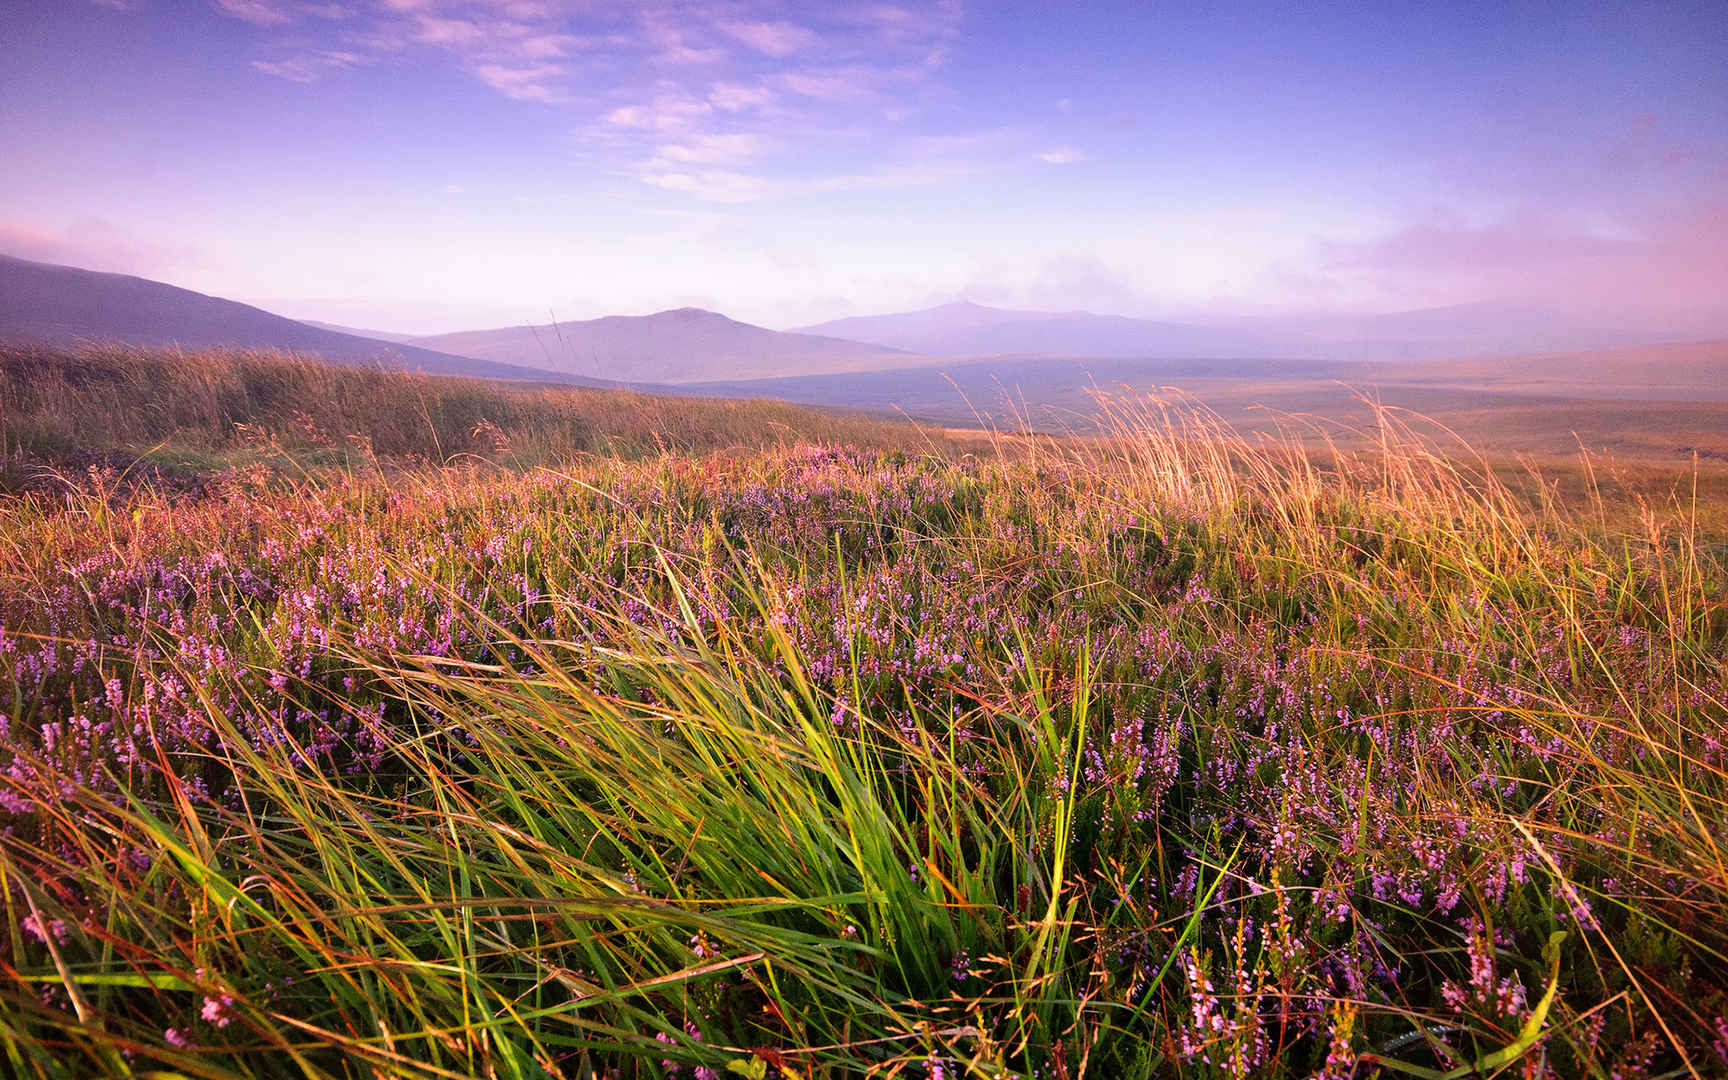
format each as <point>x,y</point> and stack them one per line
<point>359,723</point>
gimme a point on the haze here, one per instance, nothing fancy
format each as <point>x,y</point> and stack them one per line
<point>428,166</point>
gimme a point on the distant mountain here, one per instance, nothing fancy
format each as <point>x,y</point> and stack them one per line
<point>1455,330</point>
<point>375,335</point>
<point>46,304</point>
<point>683,345</point>
<point>967,329</point>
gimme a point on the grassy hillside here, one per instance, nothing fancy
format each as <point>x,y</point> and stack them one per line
<point>64,306</point>
<point>1167,754</point>
<point>202,409</point>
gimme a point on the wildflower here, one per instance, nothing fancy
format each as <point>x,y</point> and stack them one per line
<point>218,1010</point>
<point>1340,1059</point>
<point>176,1038</point>
<point>961,969</point>
<point>34,927</point>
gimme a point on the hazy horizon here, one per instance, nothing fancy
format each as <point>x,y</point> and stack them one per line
<point>428,166</point>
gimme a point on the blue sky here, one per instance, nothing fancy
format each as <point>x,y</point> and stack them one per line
<point>430,165</point>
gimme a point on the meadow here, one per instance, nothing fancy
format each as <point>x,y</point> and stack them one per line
<point>361,724</point>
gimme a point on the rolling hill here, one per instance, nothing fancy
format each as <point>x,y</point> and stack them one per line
<point>677,346</point>
<point>377,335</point>
<point>968,329</point>
<point>1425,334</point>
<point>42,303</point>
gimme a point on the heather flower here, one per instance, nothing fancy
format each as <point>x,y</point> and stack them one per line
<point>1340,1058</point>
<point>961,969</point>
<point>33,926</point>
<point>218,1010</point>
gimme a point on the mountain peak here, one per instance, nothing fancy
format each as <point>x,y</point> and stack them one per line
<point>65,305</point>
<point>684,344</point>
<point>690,314</point>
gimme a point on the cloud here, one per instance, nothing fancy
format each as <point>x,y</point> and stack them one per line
<point>533,82</point>
<point>1061,155</point>
<point>95,244</point>
<point>667,113</point>
<point>677,93</point>
<point>734,97</point>
<point>848,85</point>
<point>433,30</point>
<point>1445,243</point>
<point>259,12</point>
<point>709,148</point>
<point>1057,282</point>
<point>778,38</point>
<point>759,44</point>
<point>309,67</point>
<point>726,186</point>
<point>671,43</point>
<point>271,12</point>
<point>714,186</point>
<point>888,177</point>
<point>919,24</point>
<point>1673,260</point>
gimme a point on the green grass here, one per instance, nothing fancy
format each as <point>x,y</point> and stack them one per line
<point>1170,754</point>
<point>198,410</point>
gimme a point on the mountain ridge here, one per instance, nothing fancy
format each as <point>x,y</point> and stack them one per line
<point>967,329</point>
<point>51,304</point>
<point>674,346</point>
<point>964,328</point>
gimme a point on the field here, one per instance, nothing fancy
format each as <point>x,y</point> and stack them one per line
<point>361,724</point>
<point>1660,404</point>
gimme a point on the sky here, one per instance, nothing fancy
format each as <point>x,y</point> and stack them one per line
<point>434,165</point>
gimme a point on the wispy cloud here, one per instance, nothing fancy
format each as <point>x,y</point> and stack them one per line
<point>1671,259</point>
<point>736,97</point>
<point>95,243</point>
<point>1061,155</point>
<point>309,67</point>
<point>728,186</point>
<point>717,186</point>
<point>741,54</point>
<point>279,12</point>
<point>666,113</point>
<point>708,148</point>
<point>672,41</point>
<point>261,12</point>
<point>524,82</point>
<point>721,100</point>
<point>776,38</point>
<point>1445,243</point>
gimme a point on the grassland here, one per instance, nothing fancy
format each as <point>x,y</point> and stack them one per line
<point>1660,405</point>
<point>201,411</point>
<point>740,740</point>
